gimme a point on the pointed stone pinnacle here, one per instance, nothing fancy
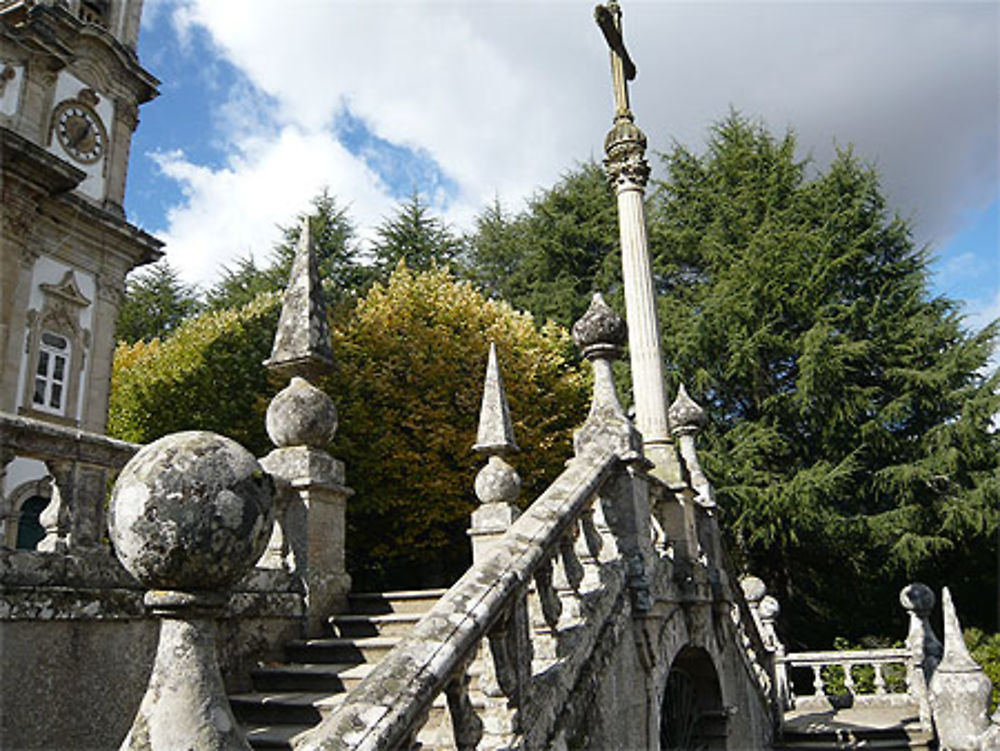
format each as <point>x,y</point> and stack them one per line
<point>496,434</point>
<point>956,655</point>
<point>302,342</point>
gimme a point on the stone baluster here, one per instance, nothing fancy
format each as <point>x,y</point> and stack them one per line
<point>849,678</point>
<point>879,680</point>
<point>923,644</point>
<point>960,693</point>
<point>467,727</point>
<point>817,680</point>
<point>74,516</point>
<point>506,677</point>
<point>498,485</point>
<point>302,421</point>
<point>189,515</point>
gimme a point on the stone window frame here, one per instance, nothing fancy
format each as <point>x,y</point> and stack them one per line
<point>60,315</point>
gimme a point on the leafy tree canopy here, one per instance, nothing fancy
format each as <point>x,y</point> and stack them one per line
<point>410,362</point>
<point>414,236</point>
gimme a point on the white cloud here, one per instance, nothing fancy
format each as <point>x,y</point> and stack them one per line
<point>235,210</point>
<point>505,96</point>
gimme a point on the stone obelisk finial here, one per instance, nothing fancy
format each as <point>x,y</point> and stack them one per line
<point>628,171</point>
<point>301,422</point>
<point>495,434</point>
<point>302,342</point>
<point>959,689</point>
<point>497,484</point>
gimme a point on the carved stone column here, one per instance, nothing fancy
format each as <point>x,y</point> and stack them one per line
<point>628,172</point>
<point>960,692</point>
<point>190,513</point>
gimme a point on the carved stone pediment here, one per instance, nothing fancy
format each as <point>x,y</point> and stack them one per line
<point>66,291</point>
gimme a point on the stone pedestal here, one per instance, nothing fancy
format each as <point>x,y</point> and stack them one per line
<point>311,532</point>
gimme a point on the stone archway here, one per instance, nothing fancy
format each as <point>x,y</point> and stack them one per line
<point>692,717</point>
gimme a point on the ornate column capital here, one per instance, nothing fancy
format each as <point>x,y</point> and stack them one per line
<point>625,160</point>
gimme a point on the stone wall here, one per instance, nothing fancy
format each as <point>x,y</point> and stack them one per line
<point>77,645</point>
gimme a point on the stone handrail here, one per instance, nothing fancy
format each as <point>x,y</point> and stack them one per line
<point>81,464</point>
<point>487,605</point>
<point>877,659</point>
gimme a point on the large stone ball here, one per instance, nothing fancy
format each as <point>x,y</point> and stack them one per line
<point>191,511</point>
<point>301,415</point>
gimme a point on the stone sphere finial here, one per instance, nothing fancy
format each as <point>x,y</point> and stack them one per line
<point>769,608</point>
<point>753,588</point>
<point>301,415</point>
<point>498,482</point>
<point>600,332</point>
<point>191,511</point>
<point>685,415</point>
<point>917,597</point>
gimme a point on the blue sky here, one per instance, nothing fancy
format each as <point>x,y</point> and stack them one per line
<point>259,109</point>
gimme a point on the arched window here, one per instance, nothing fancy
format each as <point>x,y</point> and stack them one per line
<point>29,529</point>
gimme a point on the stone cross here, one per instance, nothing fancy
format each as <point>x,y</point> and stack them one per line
<point>609,18</point>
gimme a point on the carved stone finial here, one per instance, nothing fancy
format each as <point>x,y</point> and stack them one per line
<point>301,415</point>
<point>496,434</point>
<point>753,588</point>
<point>956,655</point>
<point>189,515</point>
<point>600,332</point>
<point>918,598</point>
<point>686,417</point>
<point>302,342</point>
<point>959,689</point>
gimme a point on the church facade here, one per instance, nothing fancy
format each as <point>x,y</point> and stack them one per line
<point>70,88</point>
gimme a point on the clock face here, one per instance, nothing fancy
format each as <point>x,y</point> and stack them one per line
<point>80,131</point>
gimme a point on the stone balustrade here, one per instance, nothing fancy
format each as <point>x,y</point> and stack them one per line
<point>869,676</point>
<point>82,465</point>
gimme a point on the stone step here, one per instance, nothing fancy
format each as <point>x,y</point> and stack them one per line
<point>296,676</point>
<point>283,707</point>
<point>338,650</point>
<point>890,739</point>
<point>359,625</point>
<point>381,603</point>
<point>274,736</point>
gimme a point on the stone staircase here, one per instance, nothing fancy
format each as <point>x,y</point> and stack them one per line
<point>292,697</point>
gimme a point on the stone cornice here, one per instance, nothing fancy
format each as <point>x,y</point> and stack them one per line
<point>53,31</point>
<point>33,164</point>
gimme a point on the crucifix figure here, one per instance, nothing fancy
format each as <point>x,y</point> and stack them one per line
<point>609,18</point>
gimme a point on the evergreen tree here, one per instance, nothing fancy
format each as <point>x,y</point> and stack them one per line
<point>156,302</point>
<point>414,236</point>
<point>340,267</point>
<point>850,435</point>
<point>551,256</point>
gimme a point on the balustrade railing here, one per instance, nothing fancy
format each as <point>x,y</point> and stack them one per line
<point>556,554</point>
<point>82,466</point>
<point>877,677</point>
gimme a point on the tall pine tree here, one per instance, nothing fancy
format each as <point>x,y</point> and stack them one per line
<point>851,441</point>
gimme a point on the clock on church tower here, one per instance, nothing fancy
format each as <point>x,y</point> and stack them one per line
<point>70,89</point>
